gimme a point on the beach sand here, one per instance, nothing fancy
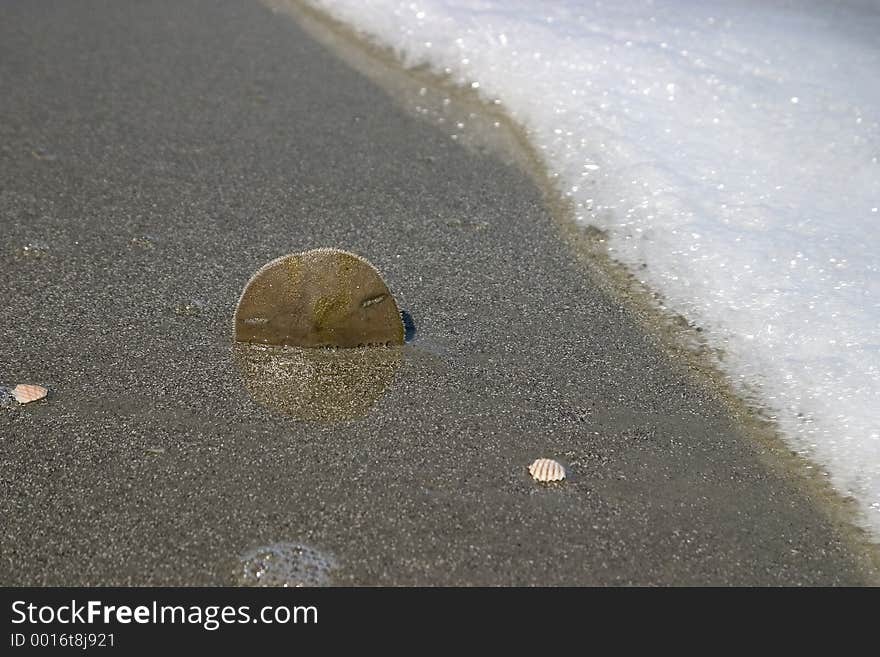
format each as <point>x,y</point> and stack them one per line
<point>153,156</point>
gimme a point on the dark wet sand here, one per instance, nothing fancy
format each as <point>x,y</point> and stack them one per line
<point>152,157</point>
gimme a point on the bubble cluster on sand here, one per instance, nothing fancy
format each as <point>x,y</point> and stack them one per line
<point>190,308</point>
<point>34,250</point>
<point>285,564</point>
<point>6,398</point>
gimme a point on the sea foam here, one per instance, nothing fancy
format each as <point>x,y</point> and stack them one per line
<point>733,149</point>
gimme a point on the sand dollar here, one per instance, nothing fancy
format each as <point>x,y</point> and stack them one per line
<point>318,298</point>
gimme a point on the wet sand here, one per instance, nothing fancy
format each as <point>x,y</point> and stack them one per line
<point>152,157</point>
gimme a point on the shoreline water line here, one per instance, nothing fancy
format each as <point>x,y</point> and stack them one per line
<point>486,127</point>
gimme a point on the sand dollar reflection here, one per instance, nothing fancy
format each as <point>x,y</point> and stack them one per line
<point>317,384</point>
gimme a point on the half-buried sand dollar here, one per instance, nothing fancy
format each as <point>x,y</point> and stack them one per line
<point>319,298</point>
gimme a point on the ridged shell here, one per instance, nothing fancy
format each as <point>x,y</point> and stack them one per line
<point>547,470</point>
<point>26,393</point>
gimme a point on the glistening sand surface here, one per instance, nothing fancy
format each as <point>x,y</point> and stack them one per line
<point>153,157</point>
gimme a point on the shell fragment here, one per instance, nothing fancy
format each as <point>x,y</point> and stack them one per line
<point>546,470</point>
<point>26,393</point>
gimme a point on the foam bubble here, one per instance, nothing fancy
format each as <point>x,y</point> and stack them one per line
<point>285,564</point>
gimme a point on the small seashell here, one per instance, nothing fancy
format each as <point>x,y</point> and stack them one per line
<point>26,393</point>
<point>547,470</point>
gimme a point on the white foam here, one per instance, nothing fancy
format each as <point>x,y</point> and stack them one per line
<point>733,147</point>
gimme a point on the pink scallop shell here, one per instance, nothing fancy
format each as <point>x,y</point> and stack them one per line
<point>547,470</point>
<point>25,393</point>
